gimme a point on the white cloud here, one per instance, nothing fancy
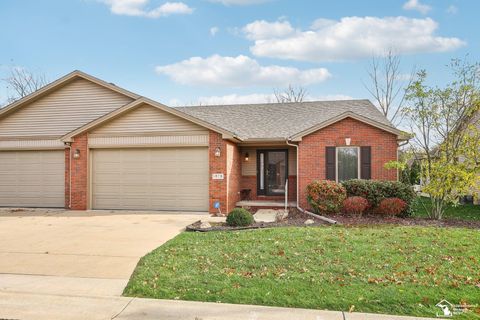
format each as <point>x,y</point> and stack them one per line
<point>262,29</point>
<point>452,9</point>
<point>322,23</point>
<point>356,37</point>
<point>239,2</point>
<point>239,71</point>
<point>214,31</point>
<point>417,5</point>
<point>139,8</point>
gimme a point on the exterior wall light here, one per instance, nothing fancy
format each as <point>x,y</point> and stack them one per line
<point>217,152</point>
<point>347,141</point>
<point>76,154</point>
<point>246,156</point>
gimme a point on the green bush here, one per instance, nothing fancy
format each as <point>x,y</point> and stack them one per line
<point>325,196</point>
<point>375,191</point>
<point>239,217</point>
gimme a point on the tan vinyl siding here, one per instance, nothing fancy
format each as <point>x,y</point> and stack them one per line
<point>148,120</point>
<point>150,179</point>
<point>249,168</point>
<point>32,178</point>
<point>62,111</point>
<point>147,141</point>
<point>31,144</point>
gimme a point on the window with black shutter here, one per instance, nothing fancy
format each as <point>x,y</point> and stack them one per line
<point>330,163</point>
<point>366,162</point>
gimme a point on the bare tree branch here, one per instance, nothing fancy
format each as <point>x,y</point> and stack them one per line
<point>388,85</point>
<point>290,94</point>
<point>22,82</point>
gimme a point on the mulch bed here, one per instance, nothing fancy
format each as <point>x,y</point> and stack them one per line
<point>295,219</point>
<point>376,220</point>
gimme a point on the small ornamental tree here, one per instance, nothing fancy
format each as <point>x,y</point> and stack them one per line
<point>325,196</point>
<point>445,122</point>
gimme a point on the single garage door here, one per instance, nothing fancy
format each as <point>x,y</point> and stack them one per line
<point>150,179</point>
<point>32,179</point>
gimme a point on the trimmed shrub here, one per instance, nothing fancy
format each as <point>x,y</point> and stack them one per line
<point>325,196</point>
<point>239,217</point>
<point>355,205</point>
<point>391,206</point>
<point>375,191</point>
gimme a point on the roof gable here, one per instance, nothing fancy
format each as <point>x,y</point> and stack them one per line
<point>116,114</point>
<point>57,84</point>
<point>300,135</point>
<point>147,119</point>
<point>60,109</point>
<point>276,121</point>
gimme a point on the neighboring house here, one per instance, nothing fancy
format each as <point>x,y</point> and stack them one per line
<point>83,143</point>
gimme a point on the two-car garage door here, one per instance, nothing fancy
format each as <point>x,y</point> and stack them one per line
<point>32,178</point>
<point>134,178</point>
<point>150,178</point>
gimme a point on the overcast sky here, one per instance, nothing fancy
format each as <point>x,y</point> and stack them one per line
<point>234,51</point>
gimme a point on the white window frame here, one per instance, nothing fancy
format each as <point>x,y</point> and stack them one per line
<point>358,162</point>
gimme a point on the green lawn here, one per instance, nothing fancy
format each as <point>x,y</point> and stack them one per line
<point>387,269</point>
<point>464,212</point>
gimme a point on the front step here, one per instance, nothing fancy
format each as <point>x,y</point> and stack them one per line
<point>265,204</point>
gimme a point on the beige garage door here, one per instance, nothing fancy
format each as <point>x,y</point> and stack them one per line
<point>32,179</point>
<point>150,179</point>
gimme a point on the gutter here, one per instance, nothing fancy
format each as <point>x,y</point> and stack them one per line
<point>404,143</point>
<point>298,194</point>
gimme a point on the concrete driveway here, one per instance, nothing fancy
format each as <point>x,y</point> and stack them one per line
<point>89,253</point>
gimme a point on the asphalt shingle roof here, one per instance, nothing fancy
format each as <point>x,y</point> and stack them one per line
<point>280,120</point>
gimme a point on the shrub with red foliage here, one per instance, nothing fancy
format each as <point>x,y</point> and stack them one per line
<point>391,206</point>
<point>325,196</point>
<point>355,205</point>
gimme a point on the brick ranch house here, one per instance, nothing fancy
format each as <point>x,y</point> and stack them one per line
<point>82,143</point>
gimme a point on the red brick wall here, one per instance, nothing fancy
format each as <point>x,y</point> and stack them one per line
<point>311,150</point>
<point>67,178</point>
<point>233,175</point>
<point>217,188</point>
<point>79,175</point>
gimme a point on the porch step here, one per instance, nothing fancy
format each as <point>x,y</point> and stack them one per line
<point>265,203</point>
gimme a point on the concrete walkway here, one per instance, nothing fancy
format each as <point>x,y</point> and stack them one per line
<point>30,306</point>
<point>90,253</point>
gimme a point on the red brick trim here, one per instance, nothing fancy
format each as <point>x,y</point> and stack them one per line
<point>217,188</point>
<point>79,175</point>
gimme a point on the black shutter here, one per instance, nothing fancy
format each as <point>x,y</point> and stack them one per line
<point>366,163</point>
<point>330,163</point>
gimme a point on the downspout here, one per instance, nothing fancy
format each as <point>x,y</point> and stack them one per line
<point>69,146</point>
<point>298,193</point>
<point>399,146</point>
